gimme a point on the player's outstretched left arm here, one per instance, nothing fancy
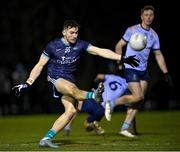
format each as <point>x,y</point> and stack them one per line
<point>106,53</point>
<point>36,71</point>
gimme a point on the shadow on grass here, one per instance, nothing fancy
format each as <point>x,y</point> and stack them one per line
<point>72,142</point>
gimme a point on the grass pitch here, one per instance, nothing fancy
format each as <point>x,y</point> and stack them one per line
<point>158,131</point>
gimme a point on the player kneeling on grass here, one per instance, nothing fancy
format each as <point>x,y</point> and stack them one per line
<point>114,87</point>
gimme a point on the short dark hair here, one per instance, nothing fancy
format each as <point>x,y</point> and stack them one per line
<point>147,7</point>
<point>70,24</point>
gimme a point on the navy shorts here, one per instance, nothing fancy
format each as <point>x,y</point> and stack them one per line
<point>132,75</point>
<point>53,91</point>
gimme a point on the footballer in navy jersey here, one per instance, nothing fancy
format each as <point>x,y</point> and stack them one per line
<point>61,56</point>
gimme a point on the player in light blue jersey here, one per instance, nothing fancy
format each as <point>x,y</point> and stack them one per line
<point>114,86</point>
<point>62,55</point>
<point>137,77</point>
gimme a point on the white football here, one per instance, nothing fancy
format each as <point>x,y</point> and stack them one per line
<point>138,41</point>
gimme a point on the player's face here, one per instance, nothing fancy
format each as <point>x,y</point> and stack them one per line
<point>147,17</point>
<point>71,34</point>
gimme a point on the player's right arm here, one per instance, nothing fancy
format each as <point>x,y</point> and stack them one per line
<point>119,46</point>
<point>36,71</point>
<point>123,41</point>
<point>131,60</point>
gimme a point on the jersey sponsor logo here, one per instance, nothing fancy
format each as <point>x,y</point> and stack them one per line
<point>68,60</point>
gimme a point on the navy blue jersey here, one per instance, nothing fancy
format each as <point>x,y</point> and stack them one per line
<point>63,58</point>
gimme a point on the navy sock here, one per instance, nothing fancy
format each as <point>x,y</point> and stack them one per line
<point>95,110</point>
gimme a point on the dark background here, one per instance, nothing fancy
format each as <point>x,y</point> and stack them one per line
<point>27,26</point>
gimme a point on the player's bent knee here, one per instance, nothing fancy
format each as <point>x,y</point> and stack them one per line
<point>136,105</point>
<point>130,109</point>
<point>138,98</point>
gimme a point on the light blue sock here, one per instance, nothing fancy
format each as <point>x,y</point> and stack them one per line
<point>67,127</point>
<point>125,126</point>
